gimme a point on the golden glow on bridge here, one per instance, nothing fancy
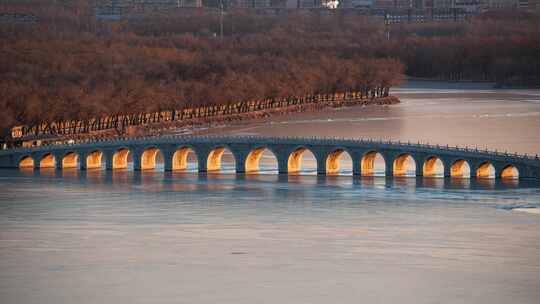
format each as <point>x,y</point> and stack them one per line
<point>402,165</point>
<point>93,160</point>
<point>180,158</point>
<point>70,160</point>
<point>253,160</point>
<point>510,172</point>
<point>48,161</point>
<point>433,167</point>
<point>460,169</point>
<point>149,158</point>
<point>26,162</point>
<point>485,170</point>
<point>120,159</point>
<point>371,163</point>
<point>214,159</point>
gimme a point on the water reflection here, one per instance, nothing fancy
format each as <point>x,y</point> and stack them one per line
<point>173,178</point>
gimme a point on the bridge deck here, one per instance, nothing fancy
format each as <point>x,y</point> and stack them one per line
<point>325,150</point>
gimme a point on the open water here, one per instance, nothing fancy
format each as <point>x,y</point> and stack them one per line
<point>155,237</point>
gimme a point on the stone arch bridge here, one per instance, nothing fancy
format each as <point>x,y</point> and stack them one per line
<point>113,154</point>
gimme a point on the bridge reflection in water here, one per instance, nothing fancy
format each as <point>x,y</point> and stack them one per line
<point>293,156</point>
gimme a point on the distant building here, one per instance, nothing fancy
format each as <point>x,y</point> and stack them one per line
<point>310,3</point>
<point>251,3</point>
<point>470,6</point>
<point>497,4</point>
<point>356,4</point>
<point>388,4</point>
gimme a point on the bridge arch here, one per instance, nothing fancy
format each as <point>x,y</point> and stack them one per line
<point>217,156</point>
<point>94,160</point>
<point>121,158</point>
<point>460,169</point>
<point>47,161</point>
<point>294,162</point>
<point>254,157</point>
<point>26,162</point>
<point>182,157</point>
<point>372,164</point>
<point>150,157</point>
<point>433,167</point>
<point>485,170</point>
<point>402,165</point>
<point>70,160</point>
<point>338,162</point>
<point>510,172</point>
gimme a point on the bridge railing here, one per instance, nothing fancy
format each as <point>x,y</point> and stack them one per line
<point>310,140</point>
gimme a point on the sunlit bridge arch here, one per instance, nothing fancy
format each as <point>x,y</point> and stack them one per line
<point>258,155</point>
<point>485,170</point>
<point>510,172</point>
<point>47,161</point>
<point>338,162</point>
<point>404,165</point>
<point>182,158</point>
<point>94,160</point>
<point>217,157</point>
<point>433,167</point>
<point>70,160</point>
<point>121,158</point>
<point>296,158</point>
<point>372,164</point>
<point>26,162</point>
<point>150,158</point>
<point>460,169</point>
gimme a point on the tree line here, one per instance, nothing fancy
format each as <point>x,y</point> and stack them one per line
<point>501,46</point>
<point>70,65</point>
<point>209,114</point>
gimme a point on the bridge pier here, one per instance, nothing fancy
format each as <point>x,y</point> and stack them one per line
<point>447,168</point>
<point>82,160</point>
<point>202,158</point>
<point>321,164</point>
<point>109,159</point>
<point>137,159</point>
<point>58,161</point>
<point>419,163</point>
<point>168,154</point>
<point>388,164</point>
<point>356,164</point>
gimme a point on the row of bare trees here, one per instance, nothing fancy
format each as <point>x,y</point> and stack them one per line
<point>499,46</point>
<point>70,65</point>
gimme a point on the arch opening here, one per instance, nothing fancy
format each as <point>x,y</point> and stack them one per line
<point>184,159</point>
<point>70,160</point>
<point>94,160</point>
<point>220,159</point>
<point>404,165</point>
<point>26,162</point>
<point>372,164</point>
<point>433,167</point>
<point>461,169</point>
<point>302,161</point>
<point>339,162</point>
<point>151,159</point>
<point>122,159</point>
<point>261,160</point>
<point>485,170</point>
<point>47,161</point>
<point>510,172</point>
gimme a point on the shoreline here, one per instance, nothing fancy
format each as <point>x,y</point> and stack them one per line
<point>237,119</point>
<point>469,82</point>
